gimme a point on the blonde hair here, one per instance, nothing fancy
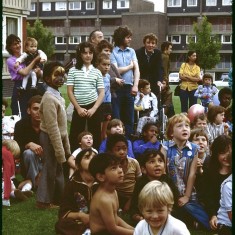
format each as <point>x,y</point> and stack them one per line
<point>29,41</point>
<point>13,147</point>
<point>172,121</point>
<point>155,194</point>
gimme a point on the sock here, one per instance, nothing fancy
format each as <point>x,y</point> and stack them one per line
<point>27,187</point>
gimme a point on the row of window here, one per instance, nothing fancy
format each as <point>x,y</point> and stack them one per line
<point>90,5</point>
<point>77,39</point>
<point>194,3</point>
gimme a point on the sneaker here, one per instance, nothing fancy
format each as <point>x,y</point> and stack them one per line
<point>6,202</point>
<point>42,205</point>
<point>28,193</point>
<point>19,195</point>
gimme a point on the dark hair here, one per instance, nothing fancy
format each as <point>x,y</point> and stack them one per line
<point>81,49</point>
<point>207,75</point>
<point>102,45</point>
<point>4,102</point>
<point>213,111</point>
<point>201,116</point>
<point>188,55</point>
<point>167,84</point>
<point>147,126</point>
<point>223,91</point>
<point>119,35</point>
<point>48,69</point>
<point>10,40</point>
<point>113,139</point>
<point>151,37</point>
<point>220,145</point>
<point>148,154</point>
<point>198,132</point>
<point>101,162</point>
<point>83,134</point>
<point>143,83</point>
<point>165,45</point>
<point>113,123</point>
<point>34,99</point>
<point>81,154</point>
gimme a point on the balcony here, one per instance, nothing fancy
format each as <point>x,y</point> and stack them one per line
<point>22,5</point>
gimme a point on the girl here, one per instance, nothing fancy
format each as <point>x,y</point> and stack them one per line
<point>77,197</point>
<point>189,75</point>
<point>116,126</point>
<point>219,169</point>
<point>182,158</point>
<point>85,87</point>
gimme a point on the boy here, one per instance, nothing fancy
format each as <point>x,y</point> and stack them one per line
<point>155,203</point>
<point>206,91</point>
<point>104,219</point>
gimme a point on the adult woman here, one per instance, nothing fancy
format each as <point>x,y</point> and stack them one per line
<point>13,46</point>
<point>189,75</point>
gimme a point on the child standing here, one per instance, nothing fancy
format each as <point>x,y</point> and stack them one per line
<point>206,91</point>
<point>53,138</point>
<point>85,87</point>
<point>116,126</point>
<point>146,103</point>
<point>117,145</point>
<point>85,140</point>
<point>104,219</point>
<point>155,203</point>
<point>31,52</point>
<point>182,158</point>
<point>77,196</point>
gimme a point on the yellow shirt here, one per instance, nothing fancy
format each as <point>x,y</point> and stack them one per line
<point>190,71</point>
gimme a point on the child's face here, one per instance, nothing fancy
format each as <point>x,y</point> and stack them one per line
<point>106,51</point>
<point>146,90</point>
<point>31,48</point>
<point>104,66</point>
<point>225,100</point>
<point>148,135</point>
<point>202,142</point>
<point>163,85</point>
<point>117,129</point>
<point>223,158</point>
<point>201,123</point>
<point>114,174</point>
<point>120,150</point>
<point>219,118</point>
<point>154,168</point>
<point>86,160</point>
<point>155,217</point>
<point>207,81</point>
<point>87,56</point>
<point>57,78</point>
<point>86,141</point>
<point>181,131</point>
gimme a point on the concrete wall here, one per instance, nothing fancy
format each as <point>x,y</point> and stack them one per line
<point>141,6</point>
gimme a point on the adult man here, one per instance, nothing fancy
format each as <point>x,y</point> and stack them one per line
<point>124,58</point>
<point>95,37</point>
<point>166,49</point>
<point>27,132</point>
<point>150,62</point>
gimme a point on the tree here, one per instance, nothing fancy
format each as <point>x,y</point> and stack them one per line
<point>207,45</point>
<point>44,37</point>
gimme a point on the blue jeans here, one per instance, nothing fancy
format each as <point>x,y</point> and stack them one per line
<point>187,99</point>
<point>123,108</point>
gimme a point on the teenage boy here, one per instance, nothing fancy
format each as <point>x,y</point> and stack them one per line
<point>104,219</point>
<point>166,48</point>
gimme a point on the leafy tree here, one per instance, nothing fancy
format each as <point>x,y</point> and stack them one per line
<point>207,45</point>
<point>44,37</point>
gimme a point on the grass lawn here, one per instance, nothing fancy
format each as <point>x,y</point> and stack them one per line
<point>23,218</point>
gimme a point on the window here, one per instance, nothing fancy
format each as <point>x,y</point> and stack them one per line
<point>190,38</point>
<point>191,3</point>
<point>74,40</point>
<point>60,6</point>
<point>175,39</point>
<point>226,39</point>
<point>122,3</point>
<point>227,2</point>
<point>211,2</point>
<point>174,3</point>
<point>46,6</point>
<point>74,5</point>
<point>60,40</point>
<point>90,5</point>
<point>107,4</point>
<point>33,6</point>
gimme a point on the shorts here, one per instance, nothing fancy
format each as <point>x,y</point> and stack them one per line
<point>106,112</point>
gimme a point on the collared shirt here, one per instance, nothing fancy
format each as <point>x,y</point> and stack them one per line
<point>123,58</point>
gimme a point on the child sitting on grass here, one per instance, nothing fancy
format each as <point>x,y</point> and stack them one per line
<point>155,203</point>
<point>104,219</point>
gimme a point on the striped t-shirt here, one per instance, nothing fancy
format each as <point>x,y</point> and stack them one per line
<point>85,84</point>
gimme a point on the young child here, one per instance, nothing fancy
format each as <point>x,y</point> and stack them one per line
<point>10,152</point>
<point>77,196</point>
<point>155,203</point>
<point>85,140</point>
<point>146,103</point>
<point>104,219</point>
<point>153,167</point>
<point>116,126</point>
<point>103,64</point>
<point>117,145</point>
<point>216,125</point>
<point>182,158</point>
<point>148,140</point>
<point>206,91</point>
<point>31,52</point>
<point>225,96</point>
<point>53,138</point>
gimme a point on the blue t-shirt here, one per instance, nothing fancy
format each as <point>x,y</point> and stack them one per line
<point>107,93</point>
